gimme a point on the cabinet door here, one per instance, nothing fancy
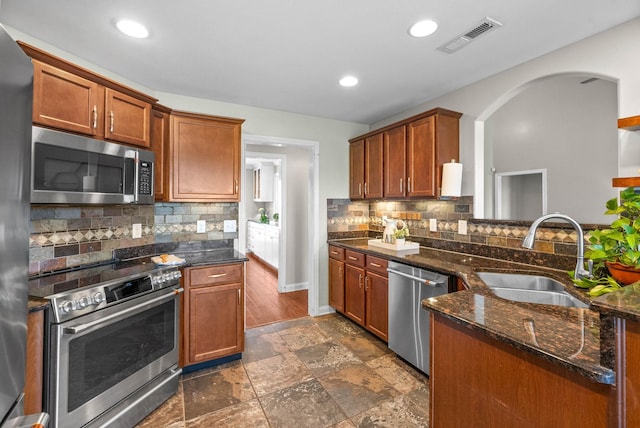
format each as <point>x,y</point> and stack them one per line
<point>127,119</point>
<point>395,162</point>
<point>354,298</point>
<point>65,101</point>
<point>336,284</point>
<point>373,167</point>
<point>377,304</point>
<point>421,157</point>
<point>205,159</point>
<point>356,170</point>
<point>160,146</point>
<point>215,323</point>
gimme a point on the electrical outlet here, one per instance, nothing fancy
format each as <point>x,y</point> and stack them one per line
<point>136,230</point>
<point>462,227</point>
<point>201,226</point>
<point>229,226</point>
<point>433,225</point>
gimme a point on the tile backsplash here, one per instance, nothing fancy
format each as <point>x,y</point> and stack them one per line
<point>555,244</point>
<point>63,237</point>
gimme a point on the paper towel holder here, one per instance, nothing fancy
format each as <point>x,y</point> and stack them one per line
<point>451,185</point>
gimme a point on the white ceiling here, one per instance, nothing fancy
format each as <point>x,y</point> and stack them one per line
<point>289,54</point>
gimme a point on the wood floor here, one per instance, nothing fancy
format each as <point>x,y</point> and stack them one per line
<point>264,305</point>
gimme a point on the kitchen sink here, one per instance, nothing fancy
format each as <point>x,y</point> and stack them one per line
<point>530,289</point>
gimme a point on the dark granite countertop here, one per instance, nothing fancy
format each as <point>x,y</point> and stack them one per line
<point>623,303</point>
<point>212,257</point>
<point>570,337</point>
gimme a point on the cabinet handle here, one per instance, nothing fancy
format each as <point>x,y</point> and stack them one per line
<point>401,185</point>
<point>239,297</point>
<point>360,280</point>
<point>95,116</point>
<point>334,252</point>
<point>375,264</point>
<point>359,188</point>
<point>111,119</point>
<point>409,184</point>
<point>236,187</point>
<point>366,284</point>
<point>366,190</point>
<point>353,258</point>
<point>217,275</point>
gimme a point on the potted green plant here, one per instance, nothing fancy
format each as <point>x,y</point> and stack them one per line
<point>264,218</point>
<point>615,251</point>
<point>401,232</point>
<point>276,218</point>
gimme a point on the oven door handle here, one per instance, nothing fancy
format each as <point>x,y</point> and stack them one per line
<point>82,327</point>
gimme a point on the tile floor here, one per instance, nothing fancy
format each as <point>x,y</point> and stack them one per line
<point>310,372</point>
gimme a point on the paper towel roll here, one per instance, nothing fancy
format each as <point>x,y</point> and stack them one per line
<point>451,179</point>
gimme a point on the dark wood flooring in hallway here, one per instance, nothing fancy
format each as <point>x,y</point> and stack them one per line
<point>264,305</point>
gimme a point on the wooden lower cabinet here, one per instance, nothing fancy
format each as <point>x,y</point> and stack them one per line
<point>366,295</point>
<point>213,318</point>
<point>628,372</point>
<point>34,373</point>
<point>336,278</point>
<point>478,381</point>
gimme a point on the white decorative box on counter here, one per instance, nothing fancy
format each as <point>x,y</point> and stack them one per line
<point>412,247</point>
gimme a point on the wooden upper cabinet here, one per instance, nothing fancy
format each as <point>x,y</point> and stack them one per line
<point>421,155</point>
<point>413,152</point>
<point>356,170</point>
<point>65,101</point>
<point>160,126</point>
<point>395,161</point>
<point>205,158</point>
<point>127,119</point>
<point>373,161</point>
<point>365,168</point>
<point>72,98</point>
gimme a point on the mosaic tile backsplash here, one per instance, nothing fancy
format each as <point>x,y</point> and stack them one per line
<point>555,244</point>
<point>64,237</point>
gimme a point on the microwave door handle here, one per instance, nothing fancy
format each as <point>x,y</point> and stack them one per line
<point>133,154</point>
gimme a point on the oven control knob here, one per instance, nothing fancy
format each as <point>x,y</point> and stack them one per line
<point>83,302</point>
<point>97,298</point>
<point>161,278</point>
<point>68,306</point>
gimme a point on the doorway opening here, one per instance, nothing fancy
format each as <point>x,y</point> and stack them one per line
<point>280,177</point>
<point>521,195</point>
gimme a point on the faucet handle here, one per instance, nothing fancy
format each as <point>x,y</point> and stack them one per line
<point>590,267</point>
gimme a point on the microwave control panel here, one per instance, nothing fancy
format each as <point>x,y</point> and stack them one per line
<point>144,179</point>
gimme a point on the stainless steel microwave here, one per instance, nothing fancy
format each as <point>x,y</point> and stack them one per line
<point>72,169</point>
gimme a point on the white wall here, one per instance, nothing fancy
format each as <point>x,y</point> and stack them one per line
<point>570,129</point>
<point>612,54</point>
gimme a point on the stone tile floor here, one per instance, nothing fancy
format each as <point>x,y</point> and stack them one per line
<point>310,372</point>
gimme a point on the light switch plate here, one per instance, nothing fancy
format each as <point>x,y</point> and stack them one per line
<point>433,225</point>
<point>462,227</point>
<point>201,226</point>
<point>230,226</point>
<point>136,230</point>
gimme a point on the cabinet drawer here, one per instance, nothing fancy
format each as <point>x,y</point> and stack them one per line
<point>336,253</point>
<point>354,258</point>
<point>377,265</point>
<point>211,275</point>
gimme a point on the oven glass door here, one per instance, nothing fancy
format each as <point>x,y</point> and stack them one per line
<point>101,364</point>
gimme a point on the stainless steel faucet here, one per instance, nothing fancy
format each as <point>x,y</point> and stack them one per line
<point>580,272</point>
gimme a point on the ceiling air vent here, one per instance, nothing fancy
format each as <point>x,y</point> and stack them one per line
<point>464,39</point>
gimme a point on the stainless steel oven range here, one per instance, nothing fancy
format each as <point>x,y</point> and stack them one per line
<point>112,343</point>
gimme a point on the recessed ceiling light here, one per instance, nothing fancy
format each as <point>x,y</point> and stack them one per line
<point>423,28</point>
<point>348,81</point>
<point>132,28</point>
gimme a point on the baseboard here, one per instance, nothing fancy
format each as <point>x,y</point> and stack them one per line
<point>325,310</point>
<point>296,287</point>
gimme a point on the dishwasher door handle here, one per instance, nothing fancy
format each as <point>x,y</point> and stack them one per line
<point>414,278</point>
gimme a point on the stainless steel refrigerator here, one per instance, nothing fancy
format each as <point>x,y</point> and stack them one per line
<point>16,91</point>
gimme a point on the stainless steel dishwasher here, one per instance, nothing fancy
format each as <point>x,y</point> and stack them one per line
<point>408,322</point>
